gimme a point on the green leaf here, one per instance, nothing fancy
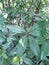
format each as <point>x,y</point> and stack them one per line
<point>35,30</point>
<point>28,19</point>
<point>44,50</point>
<point>4,55</point>
<point>6,46</point>
<point>21,47</point>
<point>41,40</point>
<point>34,46</point>
<point>28,61</point>
<point>42,28</point>
<point>2,19</point>
<point>20,50</point>
<point>42,63</point>
<point>5,62</point>
<point>15,29</point>
<point>2,39</point>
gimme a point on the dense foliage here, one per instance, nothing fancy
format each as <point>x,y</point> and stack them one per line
<point>24,32</point>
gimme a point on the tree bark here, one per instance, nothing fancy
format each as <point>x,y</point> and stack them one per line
<point>9,3</point>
